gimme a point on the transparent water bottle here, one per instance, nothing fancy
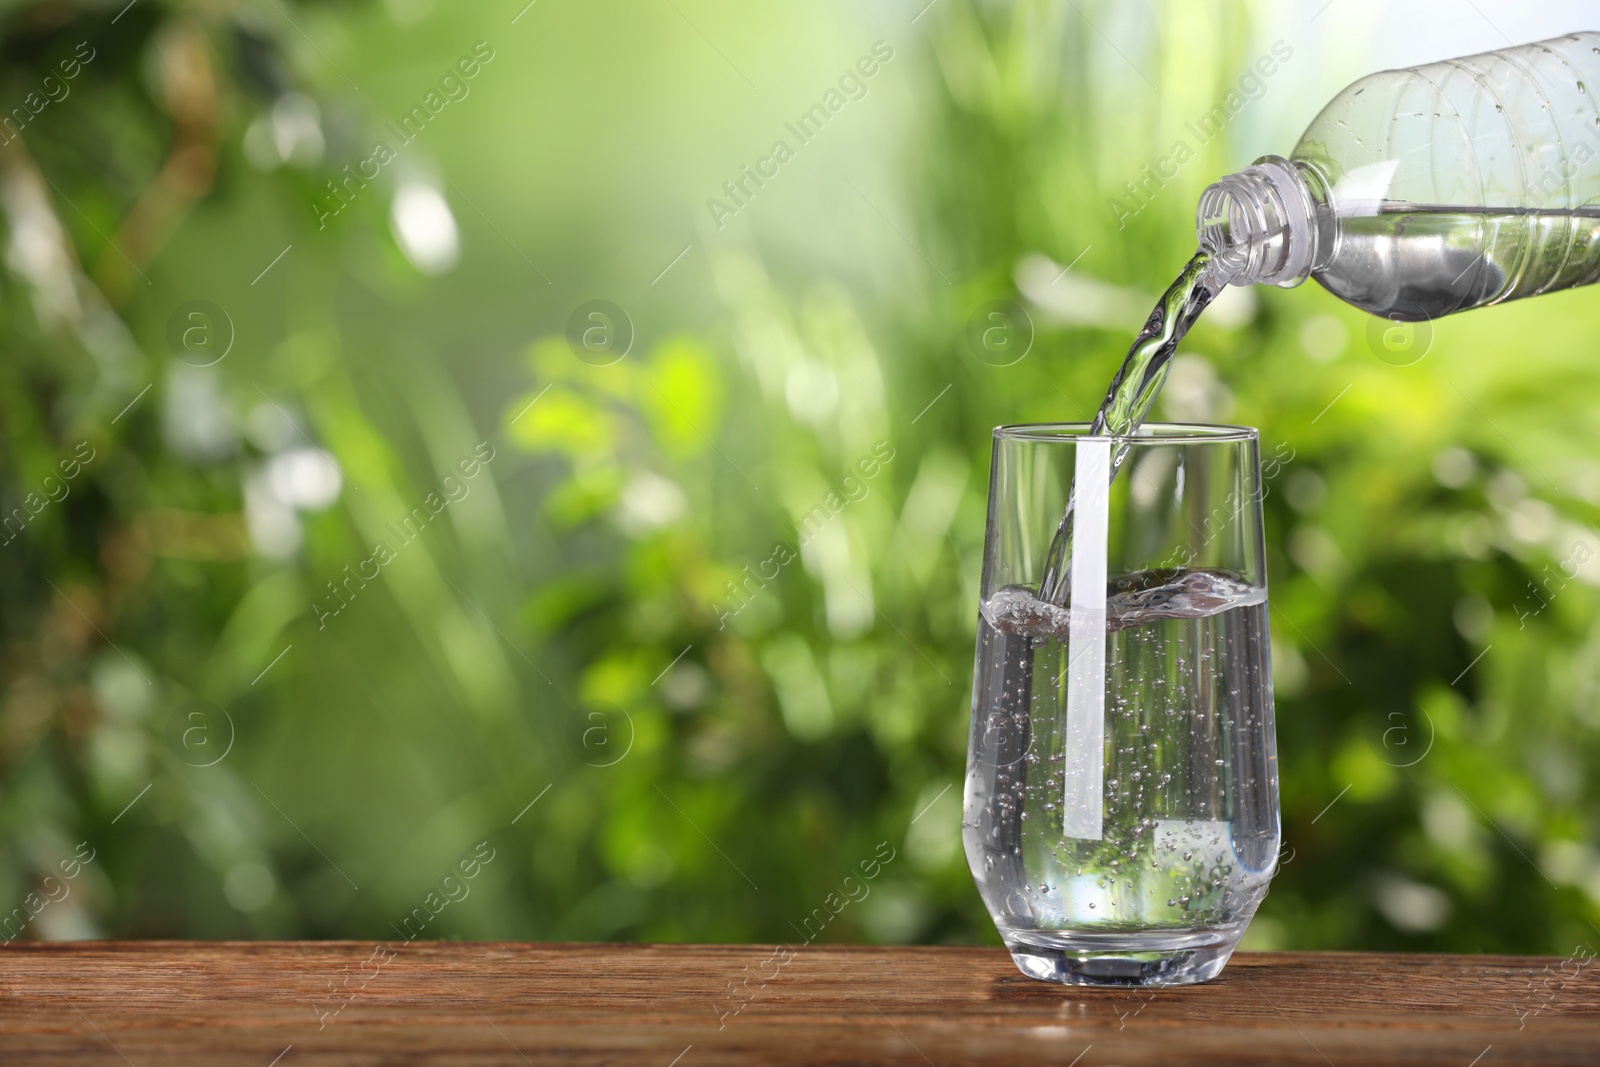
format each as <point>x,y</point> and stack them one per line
<point>1430,190</point>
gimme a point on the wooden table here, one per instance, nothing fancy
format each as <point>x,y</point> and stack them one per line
<point>260,1004</point>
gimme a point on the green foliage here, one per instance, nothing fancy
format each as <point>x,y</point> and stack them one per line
<point>686,635</point>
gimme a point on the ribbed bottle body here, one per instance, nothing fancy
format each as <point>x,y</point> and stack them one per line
<point>1462,183</point>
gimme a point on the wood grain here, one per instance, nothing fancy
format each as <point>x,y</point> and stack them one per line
<point>172,1003</point>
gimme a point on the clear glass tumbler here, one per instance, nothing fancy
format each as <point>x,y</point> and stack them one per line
<point>1121,814</point>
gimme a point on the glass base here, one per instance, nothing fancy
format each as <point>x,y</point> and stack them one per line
<point>1122,961</point>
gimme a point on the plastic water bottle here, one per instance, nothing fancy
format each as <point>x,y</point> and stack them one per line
<point>1430,190</point>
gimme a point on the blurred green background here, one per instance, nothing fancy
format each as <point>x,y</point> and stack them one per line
<point>350,538</point>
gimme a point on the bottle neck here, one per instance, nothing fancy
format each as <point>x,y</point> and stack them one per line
<point>1260,225</point>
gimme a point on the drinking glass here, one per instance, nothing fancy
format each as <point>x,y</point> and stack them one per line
<point>1121,812</point>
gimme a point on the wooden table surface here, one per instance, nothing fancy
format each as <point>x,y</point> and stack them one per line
<point>265,1003</point>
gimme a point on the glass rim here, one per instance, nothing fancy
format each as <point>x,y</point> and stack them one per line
<point>1150,433</point>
